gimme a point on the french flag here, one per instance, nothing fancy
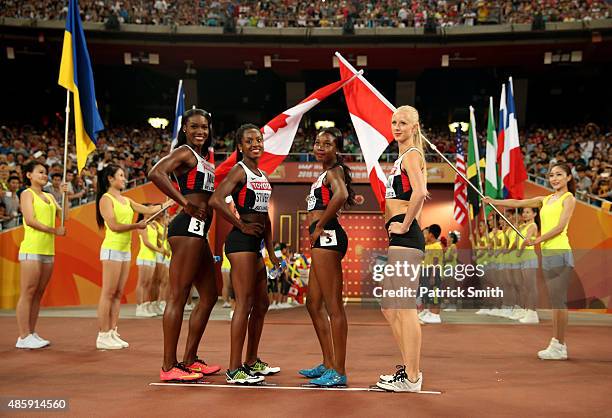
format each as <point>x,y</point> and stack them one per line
<point>371,115</point>
<point>513,169</point>
<point>279,133</point>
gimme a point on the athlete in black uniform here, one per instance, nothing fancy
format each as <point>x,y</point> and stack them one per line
<point>329,243</point>
<point>192,262</point>
<point>250,190</point>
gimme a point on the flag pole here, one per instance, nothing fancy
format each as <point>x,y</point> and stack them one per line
<point>433,147</point>
<point>64,206</point>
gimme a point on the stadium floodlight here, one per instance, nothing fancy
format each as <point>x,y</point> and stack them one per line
<point>576,56</point>
<point>445,60</point>
<point>158,123</point>
<point>464,126</point>
<point>324,124</point>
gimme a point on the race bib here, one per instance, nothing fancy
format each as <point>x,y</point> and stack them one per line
<point>311,201</point>
<point>330,240</point>
<point>196,226</point>
<point>209,182</point>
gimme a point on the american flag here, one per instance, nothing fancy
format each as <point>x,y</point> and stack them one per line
<point>461,210</point>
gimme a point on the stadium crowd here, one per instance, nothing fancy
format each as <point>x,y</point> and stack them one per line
<point>587,148</point>
<point>331,13</point>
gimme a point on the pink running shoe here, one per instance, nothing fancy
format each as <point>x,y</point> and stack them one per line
<point>200,366</point>
<point>179,373</point>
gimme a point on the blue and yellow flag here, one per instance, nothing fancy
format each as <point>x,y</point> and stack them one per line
<point>76,75</point>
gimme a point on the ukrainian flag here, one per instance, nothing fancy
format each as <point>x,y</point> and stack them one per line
<point>76,75</point>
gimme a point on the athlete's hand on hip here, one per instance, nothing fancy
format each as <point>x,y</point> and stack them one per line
<point>252,229</point>
<point>318,232</point>
<point>195,211</point>
<point>60,231</point>
<point>397,228</point>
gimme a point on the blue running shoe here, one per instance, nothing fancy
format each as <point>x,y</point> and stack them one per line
<point>314,372</point>
<point>330,378</point>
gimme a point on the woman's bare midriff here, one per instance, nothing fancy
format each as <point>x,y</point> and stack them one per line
<point>394,207</point>
<point>254,218</point>
<point>314,215</point>
<point>201,200</point>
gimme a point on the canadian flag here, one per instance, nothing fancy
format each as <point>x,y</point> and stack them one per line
<point>371,115</point>
<point>279,133</point>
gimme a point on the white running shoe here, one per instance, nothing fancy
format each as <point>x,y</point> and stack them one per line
<point>189,307</point>
<point>273,306</point>
<point>156,308</point>
<point>226,305</point>
<point>105,341</point>
<point>554,351</point>
<point>30,342</point>
<point>423,313</point>
<point>483,311</point>
<point>162,306</point>
<point>504,312</point>
<point>493,312</point>
<point>115,335</point>
<point>39,338</point>
<point>401,383</point>
<point>517,314</point>
<point>143,312</point>
<point>531,317</point>
<point>285,305</point>
<point>431,318</point>
<point>150,308</point>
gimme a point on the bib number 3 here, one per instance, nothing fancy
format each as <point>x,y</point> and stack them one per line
<point>196,226</point>
<point>330,240</point>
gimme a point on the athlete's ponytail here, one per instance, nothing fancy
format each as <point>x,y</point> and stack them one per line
<point>419,139</point>
<point>348,180</point>
<point>103,185</point>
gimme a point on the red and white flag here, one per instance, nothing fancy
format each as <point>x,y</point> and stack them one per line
<point>371,115</point>
<point>279,133</point>
<point>513,169</point>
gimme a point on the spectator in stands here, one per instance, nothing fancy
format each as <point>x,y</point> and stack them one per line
<point>10,201</point>
<point>55,188</point>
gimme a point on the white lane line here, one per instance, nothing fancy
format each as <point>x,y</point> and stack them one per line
<point>271,386</point>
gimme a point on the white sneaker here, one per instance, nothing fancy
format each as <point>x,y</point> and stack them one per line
<point>226,305</point>
<point>115,335</point>
<point>143,312</point>
<point>156,308</point>
<point>493,312</point>
<point>273,306</point>
<point>29,342</point>
<point>517,314</point>
<point>401,383</point>
<point>189,307</point>
<point>105,341</point>
<point>162,306</point>
<point>531,317</point>
<point>431,318</point>
<point>423,313</point>
<point>151,307</point>
<point>39,338</point>
<point>504,312</point>
<point>285,305</point>
<point>483,311</point>
<point>554,351</point>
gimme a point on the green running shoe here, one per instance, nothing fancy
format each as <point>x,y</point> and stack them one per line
<point>261,368</point>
